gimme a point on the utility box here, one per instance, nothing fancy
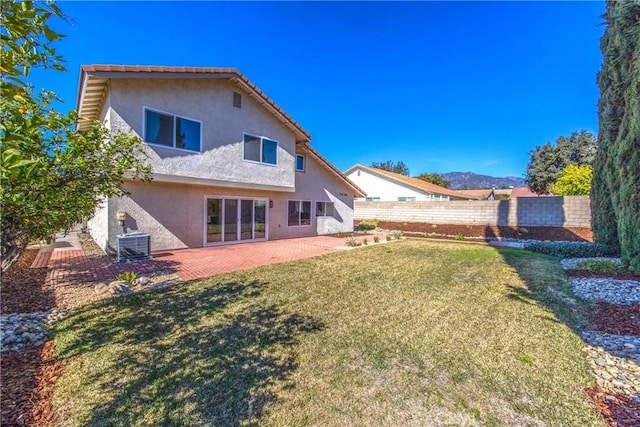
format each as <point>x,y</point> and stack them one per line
<point>133,247</point>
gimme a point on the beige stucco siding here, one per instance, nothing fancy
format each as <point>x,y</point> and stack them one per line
<point>173,214</point>
<point>223,126</point>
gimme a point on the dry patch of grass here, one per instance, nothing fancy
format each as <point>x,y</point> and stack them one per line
<point>415,333</point>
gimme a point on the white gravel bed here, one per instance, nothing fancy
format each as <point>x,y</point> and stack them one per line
<point>608,290</point>
<point>572,263</point>
<point>17,330</point>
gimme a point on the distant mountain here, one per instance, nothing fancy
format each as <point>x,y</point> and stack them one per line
<point>470,180</point>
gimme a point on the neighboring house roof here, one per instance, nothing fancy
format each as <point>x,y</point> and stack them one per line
<point>502,191</point>
<point>525,192</point>
<point>481,194</point>
<point>94,78</point>
<point>415,183</point>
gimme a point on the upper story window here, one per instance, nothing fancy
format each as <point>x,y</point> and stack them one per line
<point>406,199</point>
<point>300,162</point>
<point>172,131</point>
<point>237,100</point>
<point>260,149</point>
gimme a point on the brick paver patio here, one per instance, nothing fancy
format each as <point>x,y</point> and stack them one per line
<point>68,264</point>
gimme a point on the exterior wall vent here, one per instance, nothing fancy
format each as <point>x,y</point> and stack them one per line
<point>133,247</point>
<point>237,100</point>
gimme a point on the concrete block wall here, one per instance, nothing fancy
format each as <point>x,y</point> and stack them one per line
<point>569,211</point>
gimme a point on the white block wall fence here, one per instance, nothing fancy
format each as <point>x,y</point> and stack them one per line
<point>568,211</point>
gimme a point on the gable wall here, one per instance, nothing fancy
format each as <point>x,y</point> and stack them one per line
<point>209,101</point>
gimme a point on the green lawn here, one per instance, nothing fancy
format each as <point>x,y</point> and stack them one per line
<point>408,333</point>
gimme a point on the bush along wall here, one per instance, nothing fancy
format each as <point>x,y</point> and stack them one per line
<point>616,184</point>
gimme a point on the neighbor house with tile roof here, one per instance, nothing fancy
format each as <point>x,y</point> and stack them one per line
<point>385,186</point>
<point>229,165</point>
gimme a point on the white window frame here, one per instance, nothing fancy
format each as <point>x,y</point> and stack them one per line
<point>406,199</point>
<point>299,201</point>
<point>166,113</point>
<point>325,202</point>
<point>304,163</point>
<point>262,138</point>
<point>372,199</point>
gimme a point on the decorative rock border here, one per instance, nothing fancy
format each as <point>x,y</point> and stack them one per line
<point>614,359</point>
<point>18,330</point>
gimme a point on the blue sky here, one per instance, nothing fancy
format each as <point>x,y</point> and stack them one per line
<point>442,86</point>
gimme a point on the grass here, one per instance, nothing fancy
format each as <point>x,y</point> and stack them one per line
<point>419,333</point>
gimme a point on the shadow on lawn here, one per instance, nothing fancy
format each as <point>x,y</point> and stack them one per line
<point>184,356</point>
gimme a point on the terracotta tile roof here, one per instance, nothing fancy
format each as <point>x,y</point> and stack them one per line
<point>482,194</point>
<point>112,71</point>
<point>414,183</point>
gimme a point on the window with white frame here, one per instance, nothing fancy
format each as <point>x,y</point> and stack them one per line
<point>299,213</point>
<point>406,199</point>
<point>260,149</point>
<point>324,208</point>
<point>372,199</point>
<point>172,131</point>
<point>300,162</point>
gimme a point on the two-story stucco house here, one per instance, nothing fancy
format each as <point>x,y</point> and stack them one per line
<point>229,165</point>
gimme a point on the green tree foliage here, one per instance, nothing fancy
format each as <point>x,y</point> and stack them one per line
<point>616,184</point>
<point>549,160</point>
<point>574,181</point>
<point>434,178</point>
<point>390,166</point>
<point>52,176</point>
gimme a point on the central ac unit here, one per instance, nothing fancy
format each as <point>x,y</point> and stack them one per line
<point>133,247</point>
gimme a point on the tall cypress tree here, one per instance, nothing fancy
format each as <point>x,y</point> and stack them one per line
<point>616,184</point>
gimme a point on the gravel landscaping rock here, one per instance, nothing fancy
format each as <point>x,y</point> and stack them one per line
<point>608,290</point>
<point>18,330</point>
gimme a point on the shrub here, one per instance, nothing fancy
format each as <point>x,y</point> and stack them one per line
<point>397,234</point>
<point>351,241</point>
<point>339,234</point>
<point>459,236</point>
<point>601,266</point>
<point>570,249</point>
<point>129,276</point>
<point>368,224</point>
<point>365,242</point>
<point>376,239</point>
<point>388,238</point>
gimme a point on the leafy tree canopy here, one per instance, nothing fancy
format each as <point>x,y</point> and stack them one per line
<point>390,166</point>
<point>574,181</point>
<point>52,176</point>
<point>549,160</point>
<point>434,178</point>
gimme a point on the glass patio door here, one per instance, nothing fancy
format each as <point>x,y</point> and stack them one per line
<point>232,219</point>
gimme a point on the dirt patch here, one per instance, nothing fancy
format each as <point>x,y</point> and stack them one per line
<point>588,273</point>
<point>28,376</point>
<point>23,288</point>
<point>618,409</point>
<point>571,234</point>
<point>617,319</point>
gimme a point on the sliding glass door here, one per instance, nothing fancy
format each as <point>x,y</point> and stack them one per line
<point>232,219</point>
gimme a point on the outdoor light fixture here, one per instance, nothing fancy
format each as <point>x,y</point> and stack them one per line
<point>121,216</point>
<point>270,204</point>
